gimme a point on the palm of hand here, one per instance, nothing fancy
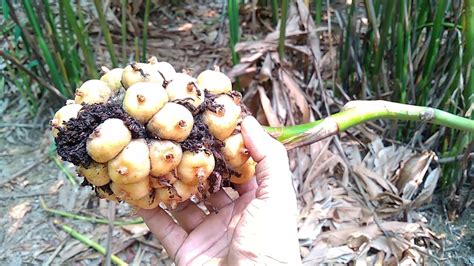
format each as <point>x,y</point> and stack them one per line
<point>258,227</point>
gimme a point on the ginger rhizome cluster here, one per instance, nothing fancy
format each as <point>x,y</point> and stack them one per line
<point>146,135</point>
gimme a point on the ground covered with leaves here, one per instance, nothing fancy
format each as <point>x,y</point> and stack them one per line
<point>361,197</point>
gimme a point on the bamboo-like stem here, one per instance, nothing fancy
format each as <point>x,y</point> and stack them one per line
<point>281,41</point>
<point>274,4</point>
<point>358,112</point>
<point>86,218</point>
<point>105,29</point>
<point>233,13</point>
<point>89,242</point>
<point>123,28</point>
<point>145,29</point>
<point>469,52</point>
<point>48,57</point>
<point>68,174</point>
<point>81,37</point>
<point>318,11</point>
<point>431,57</point>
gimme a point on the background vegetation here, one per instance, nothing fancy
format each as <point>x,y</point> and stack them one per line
<point>409,51</point>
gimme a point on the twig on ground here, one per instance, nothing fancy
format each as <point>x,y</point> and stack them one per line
<point>56,252</point>
<point>85,240</point>
<point>16,196</point>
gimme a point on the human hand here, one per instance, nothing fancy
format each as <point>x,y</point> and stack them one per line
<point>259,227</point>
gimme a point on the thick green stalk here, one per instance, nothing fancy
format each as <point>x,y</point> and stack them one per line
<point>281,41</point>
<point>358,112</point>
<point>91,243</point>
<point>145,29</point>
<point>105,30</point>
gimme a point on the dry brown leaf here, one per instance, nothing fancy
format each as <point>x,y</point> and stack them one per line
<point>278,102</point>
<point>266,70</point>
<point>55,188</point>
<point>429,186</point>
<point>412,173</point>
<point>296,94</point>
<point>267,108</point>
<point>18,211</point>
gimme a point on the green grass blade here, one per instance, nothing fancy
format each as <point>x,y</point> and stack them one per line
<point>44,48</point>
<point>58,52</point>
<point>69,53</point>
<point>105,30</point>
<point>78,30</point>
<point>137,48</point>
<point>52,24</point>
<point>145,29</point>
<point>6,10</point>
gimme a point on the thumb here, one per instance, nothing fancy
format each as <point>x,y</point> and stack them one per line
<point>272,171</point>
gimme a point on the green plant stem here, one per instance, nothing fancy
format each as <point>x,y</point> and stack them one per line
<point>86,218</point>
<point>318,11</point>
<point>233,12</point>
<point>123,29</point>
<point>358,112</point>
<point>432,50</point>
<point>68,174</point>
<point>76,28</point>
<point>469,52</point>
<point>389,10</point>
<point>274,4</point>
<point>281,41</point>
<point>105,30</point>
<point>91,243</point>
<point>145,29</point>
<point>445,25</point>
<point>44,48</point>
